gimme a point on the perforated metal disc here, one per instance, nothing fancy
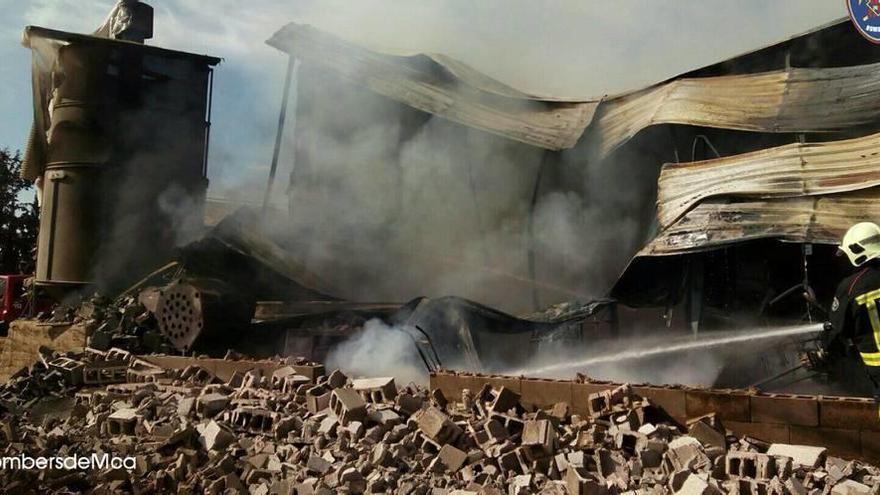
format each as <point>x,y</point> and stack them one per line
<point>180,314</point>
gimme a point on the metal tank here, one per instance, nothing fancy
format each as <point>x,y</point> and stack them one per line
<point>120,142</point>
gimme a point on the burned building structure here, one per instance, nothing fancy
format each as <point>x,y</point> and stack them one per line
<point>711,200</point>
<point>118,150</point>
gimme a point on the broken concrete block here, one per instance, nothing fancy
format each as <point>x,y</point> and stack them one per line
<point>337,379</point>
<point>578,481</point>
<point>851,487</point>
<point>451,457</point>
<point>540,434</point>
<point>122,422</point>
<point>318,465</point>
<point>213,436</point>
<point>599,403</point>
<point>686,452</point>
<point>505,400</point>
<point>437,426</point>
<point>318,398</point>
<point>695,485</point>
<point>801,455</point>
<point>707,435</point>
<point>386,417</point>
<point>376,390</point>
<point>209,405</point>
<point>560,411</point>
<point>439,399</point>
<point>408,403</point>
<point>347,405</point>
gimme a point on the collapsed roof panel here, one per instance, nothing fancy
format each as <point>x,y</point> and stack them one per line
<point>441,86</point>
<point>799,169</point>
<point>717,222</point>
<point>792,100</point>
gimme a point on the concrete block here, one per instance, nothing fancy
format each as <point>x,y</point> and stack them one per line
<point>707,435</point>
<point>337,379</point>
<point>580,394</point>
<point>728,405</point>
<point>317,399</point>
<point>849,413</point>
<point>686,452</point>
<point>505,400</point>
<point>435,425</point>
<point>801,455</point>
<point>408,403</point>
<point>599,403</point>
<point>213,436</point>
<point>451,458</point>
<point>348,405</point>
<point>376,390</point>
<point>71,370</point>
<point>542,394</point>
<point>122,422</point>
<point>210,404</point>
<point>850,487</point>
<point>579,481</point>
<point>252,419</point>
<point>318,465</point>
<point>539,434</point>
<point>785,409</point>
<point>753,465</point>
<point>695,485</point>
<point>104,372</point>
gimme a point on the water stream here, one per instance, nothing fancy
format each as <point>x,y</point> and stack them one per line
<point>699,343</point>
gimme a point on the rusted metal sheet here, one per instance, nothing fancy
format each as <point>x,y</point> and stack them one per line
<point>716,222</point>
<point>441,86</point>
<point>792,100</point>
<point>786,171</point>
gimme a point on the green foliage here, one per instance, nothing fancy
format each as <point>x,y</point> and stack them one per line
<point>19,216</point>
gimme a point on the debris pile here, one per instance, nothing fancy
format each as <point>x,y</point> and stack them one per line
<point>186,431</point>
<point>125,323</point>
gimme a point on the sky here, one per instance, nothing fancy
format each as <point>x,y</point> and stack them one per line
<point>561,47</point>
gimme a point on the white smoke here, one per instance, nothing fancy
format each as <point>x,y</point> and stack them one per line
<point>379,350</point>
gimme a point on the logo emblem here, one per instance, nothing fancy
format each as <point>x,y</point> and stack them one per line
<point>835,305</point>
<point>865,15</point>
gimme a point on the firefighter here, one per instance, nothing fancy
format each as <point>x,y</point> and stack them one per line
<point>855,316</point>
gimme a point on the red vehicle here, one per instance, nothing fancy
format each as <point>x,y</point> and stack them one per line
<point>13,302</point>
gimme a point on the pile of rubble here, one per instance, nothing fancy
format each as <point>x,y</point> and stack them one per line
<point>185,431</point>
<point>124,323</point>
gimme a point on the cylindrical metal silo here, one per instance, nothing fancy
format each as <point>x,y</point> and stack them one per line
<point>126,135</point>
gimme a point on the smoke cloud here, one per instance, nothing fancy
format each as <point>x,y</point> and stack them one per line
<point>379,350</point>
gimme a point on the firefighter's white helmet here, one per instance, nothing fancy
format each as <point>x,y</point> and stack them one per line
<point>861,243</point>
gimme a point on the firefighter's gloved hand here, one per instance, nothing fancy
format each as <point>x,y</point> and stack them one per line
<point>816,360</point>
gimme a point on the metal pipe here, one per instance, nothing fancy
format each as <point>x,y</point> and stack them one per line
<point>281,119</point>
<point>208,122</point>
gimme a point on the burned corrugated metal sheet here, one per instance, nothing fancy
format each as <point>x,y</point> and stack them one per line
<point>717,222</point>
<point>793,100</point>
<point>799,169</point>
<point>444,87</point>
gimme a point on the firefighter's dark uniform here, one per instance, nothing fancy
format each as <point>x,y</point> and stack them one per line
<point>855,316</point>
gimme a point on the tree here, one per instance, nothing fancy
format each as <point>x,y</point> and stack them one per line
<point>19,216</point>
